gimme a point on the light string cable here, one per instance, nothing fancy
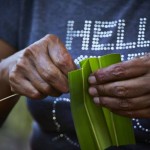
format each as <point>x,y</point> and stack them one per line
<point>3,99</point>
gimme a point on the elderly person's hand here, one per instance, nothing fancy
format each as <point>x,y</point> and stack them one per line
<point>124,88</point>
<point>41,69</point>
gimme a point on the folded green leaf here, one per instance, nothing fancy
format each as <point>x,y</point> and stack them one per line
<point>80,117</point>
<point>89,127</point>
<point>97,128</point>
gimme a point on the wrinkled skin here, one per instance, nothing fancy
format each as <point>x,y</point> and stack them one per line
<point>124,88</point>
<point>41,69</point>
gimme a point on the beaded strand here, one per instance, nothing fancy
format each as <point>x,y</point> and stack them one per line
<point>58,126</point>
<point>140,127</point>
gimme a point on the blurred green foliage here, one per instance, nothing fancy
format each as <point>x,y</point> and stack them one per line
<point>14,134</point>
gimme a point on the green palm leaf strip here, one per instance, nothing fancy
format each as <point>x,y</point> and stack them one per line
<point>96,127</point>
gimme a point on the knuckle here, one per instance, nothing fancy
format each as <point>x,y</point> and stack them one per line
<point>61,62</point>
<point>46,75</point>
<point>100,76</point>
<point>120,91</point>
<point>29,51</point>
<point>51,37</point>
<point>17,69</point>
<point>118,71</point>
<point>20,65</point>
<point>50,75</point>
<point>125,104</point>
<point>12,76</point>
<point>53,76</point>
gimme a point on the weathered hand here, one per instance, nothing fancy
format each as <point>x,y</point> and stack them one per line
<point>124,88</point>
<point>41,69</point>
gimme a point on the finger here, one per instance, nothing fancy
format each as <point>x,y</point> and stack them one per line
<point>59,55</point>
<point>123,104</point>
<point>22,86</point>
<point>123,89</point>
<point>25,67</point>
<point>121,71</point>
<point>51,74</point>
<point>142,113</point>
<point>47,70</point>
<point>41,85</point>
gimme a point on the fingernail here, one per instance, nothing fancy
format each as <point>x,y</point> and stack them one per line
<point>96,100</point>
<point>93,91</point>
<point>92,80</point>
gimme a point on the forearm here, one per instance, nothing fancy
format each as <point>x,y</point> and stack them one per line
<point>5,89</point>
